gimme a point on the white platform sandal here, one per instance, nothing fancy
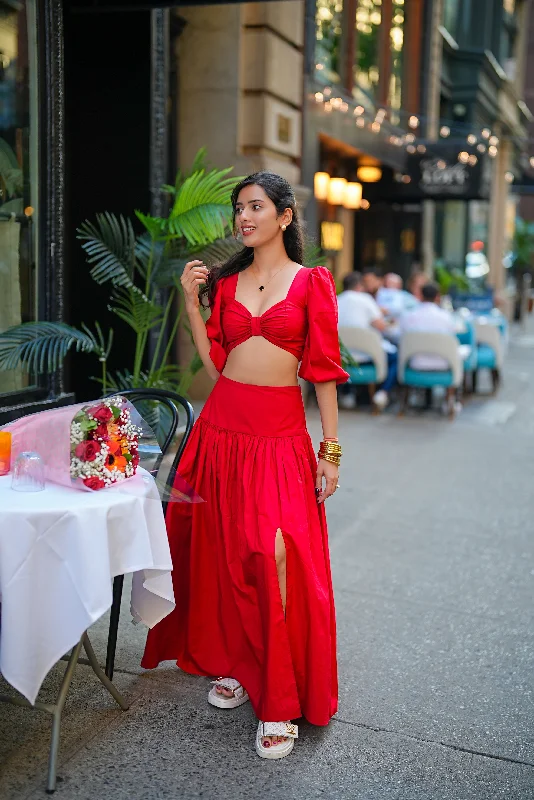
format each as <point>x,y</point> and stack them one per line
<point>286,729</point>
<point>240,695</point>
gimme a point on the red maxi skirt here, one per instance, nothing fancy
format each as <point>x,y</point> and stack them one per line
<point>251,459</point>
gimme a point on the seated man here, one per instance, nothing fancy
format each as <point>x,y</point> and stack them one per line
<point>358,309</point>
<point>428,317</point>
<point>393,299</point>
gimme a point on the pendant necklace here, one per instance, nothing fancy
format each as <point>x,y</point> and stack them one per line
<point>262,287</point>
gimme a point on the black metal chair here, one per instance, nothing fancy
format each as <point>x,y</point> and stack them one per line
<point>171,402</point>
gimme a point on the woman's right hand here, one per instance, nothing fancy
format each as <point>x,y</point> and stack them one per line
<point>194,275</point>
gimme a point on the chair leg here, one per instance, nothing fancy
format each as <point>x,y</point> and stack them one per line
<point>114,625</point>
<point>496,379</point>
<point>451,397</point>
<point>404,392</point>
<point>474,381</point>
<point>372,392</point>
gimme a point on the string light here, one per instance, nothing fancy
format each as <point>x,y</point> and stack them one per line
<point>365,204</point>
<point>509,177</point>
<point>482,139</point>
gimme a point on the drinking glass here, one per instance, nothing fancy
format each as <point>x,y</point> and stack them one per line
<point>28,473</point>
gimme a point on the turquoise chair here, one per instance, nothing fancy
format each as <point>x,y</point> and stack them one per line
<point>445,346</point>
<point>372,373</point>
<point>468,337</point>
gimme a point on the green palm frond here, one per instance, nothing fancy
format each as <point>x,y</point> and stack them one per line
<point>220,250</point>
<point>42,347</point>
<point>110,246</point>
<point>313,255</point>
<point>347,359</point>
<point>136,309</point>
<point>201,211</point>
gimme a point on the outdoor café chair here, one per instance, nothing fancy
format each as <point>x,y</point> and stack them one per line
<point>369,373</point>
<point>490,351</point>
<point>444,345</point>
<point>467,338</point>
<point>146,400</point>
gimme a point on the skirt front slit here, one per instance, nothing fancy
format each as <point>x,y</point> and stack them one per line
<point>251,460</point>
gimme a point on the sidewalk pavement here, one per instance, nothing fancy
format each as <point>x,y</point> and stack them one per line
<point>433,563</point>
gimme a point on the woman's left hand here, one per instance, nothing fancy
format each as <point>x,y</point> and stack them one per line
<point>330,473</point>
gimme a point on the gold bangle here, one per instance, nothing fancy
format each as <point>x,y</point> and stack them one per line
<point>330,459</point>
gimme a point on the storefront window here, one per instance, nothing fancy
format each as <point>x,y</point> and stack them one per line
<point>450,16</point>
<point>328,31</point>
<point>366,62</point>
<point>18,166</point>
<point>396,38</point>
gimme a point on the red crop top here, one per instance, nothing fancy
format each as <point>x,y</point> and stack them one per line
<point>304,324</point>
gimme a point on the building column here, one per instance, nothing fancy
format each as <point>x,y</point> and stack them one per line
<point>499,197</point>
<point>431,110</point>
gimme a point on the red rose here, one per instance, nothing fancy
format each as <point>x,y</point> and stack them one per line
<point>87,451</point>
<point>94,483</point>
<point>101,431</point>
<point>100,413</point>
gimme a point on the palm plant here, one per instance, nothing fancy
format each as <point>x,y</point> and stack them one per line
<point>140,269</point>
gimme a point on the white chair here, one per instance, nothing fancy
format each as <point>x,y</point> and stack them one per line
<point>369,341</point>
<point>490,351</point>
<point>445,346</point>
<point>368,373</point>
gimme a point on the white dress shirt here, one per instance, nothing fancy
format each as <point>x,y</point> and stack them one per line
<point>428,318</point>
<point>357,309</point>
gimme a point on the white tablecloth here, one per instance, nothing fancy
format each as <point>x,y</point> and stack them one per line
<point>59,551</point>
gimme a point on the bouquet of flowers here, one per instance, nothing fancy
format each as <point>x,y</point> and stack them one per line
<point>96,445</point>
<point>104,444</point>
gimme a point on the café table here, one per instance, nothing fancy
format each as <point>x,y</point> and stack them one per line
<point>59,552</point>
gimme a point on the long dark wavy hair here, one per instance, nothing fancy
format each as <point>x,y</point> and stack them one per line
<point>282,195</point>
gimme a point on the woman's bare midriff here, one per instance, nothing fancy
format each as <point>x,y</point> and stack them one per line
<point>260,363</point>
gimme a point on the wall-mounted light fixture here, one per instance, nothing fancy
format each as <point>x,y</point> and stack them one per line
<point>369,174</point>
<point>321,182</point>
<point>336,191</point>
<point>353,195</point>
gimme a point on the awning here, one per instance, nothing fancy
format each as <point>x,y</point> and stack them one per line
<point>101,6</point>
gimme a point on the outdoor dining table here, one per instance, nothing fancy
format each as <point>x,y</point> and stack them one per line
<point>59,552</point>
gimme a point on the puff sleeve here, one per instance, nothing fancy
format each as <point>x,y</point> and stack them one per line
<point>321,360</point>
<point>215,333</point>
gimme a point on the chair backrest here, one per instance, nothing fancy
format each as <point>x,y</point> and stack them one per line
<point>467,335</point>
<point>419,343</point>
<point>489,334</point>
<point>171,402</point>
<point>368,341</point>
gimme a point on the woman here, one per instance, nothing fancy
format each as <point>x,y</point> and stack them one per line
<point>251,566</point>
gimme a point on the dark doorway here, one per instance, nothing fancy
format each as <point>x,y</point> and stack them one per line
<point>107,109</point>
<point>388,236</point>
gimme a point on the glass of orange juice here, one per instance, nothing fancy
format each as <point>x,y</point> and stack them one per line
<point>5,452</point>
